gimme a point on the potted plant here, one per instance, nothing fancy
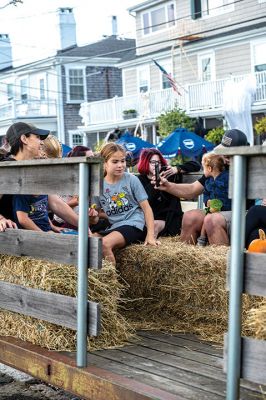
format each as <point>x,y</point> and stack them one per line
<point>130,113</point>
<point>260,129</point>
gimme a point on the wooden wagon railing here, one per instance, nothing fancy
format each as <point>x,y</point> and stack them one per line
<point>62,176</point>
<point>244,357</point>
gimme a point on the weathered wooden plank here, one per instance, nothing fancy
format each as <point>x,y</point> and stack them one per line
<point>54,247</point>
<point>256,182</point>
<point>51,307</point>
<point>96,179</point>
<point>46,176</point>
<point>190,342</point>
<point>253,359</point>
<point>191,177</point>
<point>205,360</point>
<point>131,356</point>
<point>254,274</point>
<point>241,150</point>
<point>61,371</point>
<point>182,390</point>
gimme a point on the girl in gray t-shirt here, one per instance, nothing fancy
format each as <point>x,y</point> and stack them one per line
<point>124,202</point>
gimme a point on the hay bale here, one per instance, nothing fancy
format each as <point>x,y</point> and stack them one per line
<point>178,287</point>
<point>256,320</point>
<point>104,288</point>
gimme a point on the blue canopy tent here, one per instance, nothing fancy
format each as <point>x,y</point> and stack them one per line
<point>185,143</point>
<point>133,144</point>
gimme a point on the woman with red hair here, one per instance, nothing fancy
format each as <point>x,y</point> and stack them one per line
<point>166,207</point>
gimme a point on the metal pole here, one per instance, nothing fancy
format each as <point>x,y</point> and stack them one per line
<point>236,278</point>
<point>82,266</point>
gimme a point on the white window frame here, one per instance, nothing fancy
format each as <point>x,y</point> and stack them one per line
<point>253,44</point>
<point>10,91</point>
<point>83,69</point>
<point>145,68</point>
<point>24,92</point>
<point>42,89</point>
<point>168,66</point>
<point>202,56</point>
<point>165,25</point>
<point>214,11</point>
<point>75,132</point>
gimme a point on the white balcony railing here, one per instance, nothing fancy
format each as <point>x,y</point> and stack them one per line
<point>30,108</point>
<point>195,98</point>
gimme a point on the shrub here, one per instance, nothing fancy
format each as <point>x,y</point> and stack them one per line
<point>260,126</point>
<point>215,135</point>
<point>171,120</point>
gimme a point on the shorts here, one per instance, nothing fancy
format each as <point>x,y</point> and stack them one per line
<point>228,219</point>
<point>130,233</point>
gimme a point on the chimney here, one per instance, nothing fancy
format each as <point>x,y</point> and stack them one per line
<point>5,51</point>
<point>67,28</point>
<point>114,25</point>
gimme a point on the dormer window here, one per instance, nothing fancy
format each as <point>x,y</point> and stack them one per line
<point>159,18</point>
<point>210,8</point>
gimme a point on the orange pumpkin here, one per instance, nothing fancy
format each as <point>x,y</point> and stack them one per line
<point>258,245</point>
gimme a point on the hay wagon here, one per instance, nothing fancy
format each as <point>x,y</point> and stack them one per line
<point>153,366</point>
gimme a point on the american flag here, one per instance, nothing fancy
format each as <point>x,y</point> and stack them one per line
<point>168,77</point>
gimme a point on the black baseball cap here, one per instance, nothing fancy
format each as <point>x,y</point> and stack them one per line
<point>16,130</point>
<point>233,138</point>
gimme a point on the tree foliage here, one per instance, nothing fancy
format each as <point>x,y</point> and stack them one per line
<point>215,135</point>
<point>173,119</point>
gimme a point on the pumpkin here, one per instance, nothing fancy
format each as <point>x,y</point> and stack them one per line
<point>258,245</point>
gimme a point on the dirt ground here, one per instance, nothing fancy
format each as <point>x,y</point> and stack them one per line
<point>15,385</point>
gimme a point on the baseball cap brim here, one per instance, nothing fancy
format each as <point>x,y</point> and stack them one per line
<point>43,133</point>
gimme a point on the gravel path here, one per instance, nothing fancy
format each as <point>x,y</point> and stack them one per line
<point>15,385</point>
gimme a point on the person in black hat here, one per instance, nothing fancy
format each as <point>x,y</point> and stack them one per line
<point>25,140</point>
<point>217,225</point>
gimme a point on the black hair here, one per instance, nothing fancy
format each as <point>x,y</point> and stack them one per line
<point>18,145</point>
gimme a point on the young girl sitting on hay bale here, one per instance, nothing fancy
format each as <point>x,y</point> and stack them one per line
<point>125,204</point>
<point>215,195</point>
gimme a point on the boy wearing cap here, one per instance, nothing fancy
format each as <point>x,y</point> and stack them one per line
<point>217,225</point>
<point>25,143</point>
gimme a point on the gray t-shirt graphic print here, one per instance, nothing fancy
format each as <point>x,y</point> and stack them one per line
<point>120,202</point>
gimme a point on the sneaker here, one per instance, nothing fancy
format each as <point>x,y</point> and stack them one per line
<point>202,241</point>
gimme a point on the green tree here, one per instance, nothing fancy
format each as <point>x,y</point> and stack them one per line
<point>173,119</point>
<point>215,135</point>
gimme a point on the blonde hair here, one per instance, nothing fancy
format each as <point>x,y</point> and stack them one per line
<point>51,147</point>
<point>214,161</point>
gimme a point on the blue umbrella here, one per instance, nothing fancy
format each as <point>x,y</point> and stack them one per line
<point>65,149</point>
<point>133,144</point>
<point>185,143</point>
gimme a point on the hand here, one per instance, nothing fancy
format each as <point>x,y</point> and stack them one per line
<point>163,183</point>
<point>6,223</point>
<point>169,171</point>
<point>263,203</point>
<point>150,240</point>
<point>57,229</point>
<point>93,212</point>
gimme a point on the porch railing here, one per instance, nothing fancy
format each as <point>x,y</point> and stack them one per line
<point>29,108</point>
<point>201,96</point>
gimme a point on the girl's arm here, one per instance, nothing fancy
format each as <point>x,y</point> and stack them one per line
<point>149,219</point>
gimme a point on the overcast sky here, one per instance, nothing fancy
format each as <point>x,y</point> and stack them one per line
<point>32,25</point>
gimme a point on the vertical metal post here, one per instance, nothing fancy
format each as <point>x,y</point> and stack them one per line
<point>236,278</point>
<point>82,265</point>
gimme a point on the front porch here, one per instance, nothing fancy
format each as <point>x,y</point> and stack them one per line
<point>204,99</point>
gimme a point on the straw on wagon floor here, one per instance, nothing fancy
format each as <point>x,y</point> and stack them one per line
<point>178,287</point>
<point>104,288</point>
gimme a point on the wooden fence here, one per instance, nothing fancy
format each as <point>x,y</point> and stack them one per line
<point>244,357</point>
<point>61,176</point>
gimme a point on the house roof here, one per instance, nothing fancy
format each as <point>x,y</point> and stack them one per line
<point>111,46</point>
